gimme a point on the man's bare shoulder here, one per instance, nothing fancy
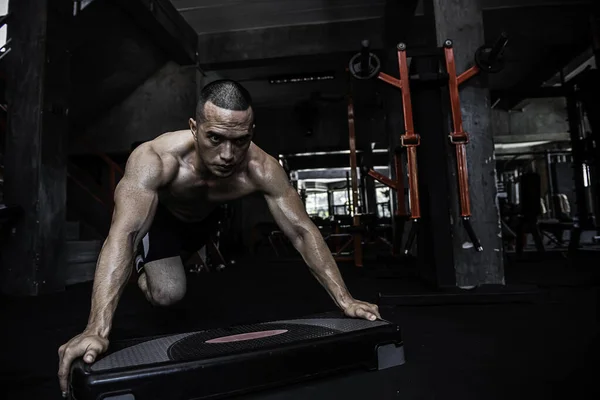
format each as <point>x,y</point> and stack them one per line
<point>259,161</point>
<point>172,144</point>
<point>265,171</point>
<point>158,159</point>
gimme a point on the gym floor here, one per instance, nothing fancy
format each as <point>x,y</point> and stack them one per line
<point>500,351</point>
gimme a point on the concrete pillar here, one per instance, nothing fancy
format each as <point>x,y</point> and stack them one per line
<point>36,152</point>
<point>462,22</point>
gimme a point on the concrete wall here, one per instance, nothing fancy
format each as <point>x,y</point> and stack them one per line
<point>537,116</point>
<point>287,119</point>
<point>163,103</point>
<point>285,129</point>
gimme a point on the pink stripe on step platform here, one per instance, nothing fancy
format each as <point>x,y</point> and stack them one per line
<point>247,336</point>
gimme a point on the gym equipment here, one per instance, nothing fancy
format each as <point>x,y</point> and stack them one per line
<point>356,235</point>
<point>439,272</point>
<point>342,236</point>
<point>220,362</point>
<point>489,60</point>
<point>525,210</point>
<point>364,65</point>
<point>582,99</point>
<point>409,140</point>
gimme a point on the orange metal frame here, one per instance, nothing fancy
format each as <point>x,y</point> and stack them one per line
<point>459,138</point>
<point>410,140</point>
<point>358,257</point>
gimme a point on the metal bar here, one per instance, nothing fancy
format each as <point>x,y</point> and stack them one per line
<point>578,154</point>
<point>4,53</point>
<point>458,136</point>
<point>354,181</point>
<point>413,189</point>
<point>414,229</point>
<point>498,47</point>
<point>468,74</point>
<point>348,194</point>
<point>411,151</point>
<point>406,100</point>
<point>453,89</point>
<point>554,202</point>
<point>401,208</point>
<point>6,44</point>
<point>382,179</point>
<point>390,79</point>
<point>346,244</point>
<point>353,163</point>
<point>463,180</point>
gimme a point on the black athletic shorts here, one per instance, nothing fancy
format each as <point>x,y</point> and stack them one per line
<point>171,237</point>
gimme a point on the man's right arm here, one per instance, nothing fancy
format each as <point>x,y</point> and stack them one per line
<point>136,198</point>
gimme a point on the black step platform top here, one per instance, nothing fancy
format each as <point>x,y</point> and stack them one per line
<point>251,357</point>
<point>206,344</point>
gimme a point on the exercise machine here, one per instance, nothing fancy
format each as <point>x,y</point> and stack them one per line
<point>366,65</point>
<point>426,78</point>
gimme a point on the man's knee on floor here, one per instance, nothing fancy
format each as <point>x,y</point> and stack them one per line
<point>167,295</point>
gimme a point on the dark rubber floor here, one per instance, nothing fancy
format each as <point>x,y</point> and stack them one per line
<point>494,351</point>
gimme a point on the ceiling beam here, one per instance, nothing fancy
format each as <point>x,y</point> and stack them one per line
<point>165,25</point>
<point>289,41</point>
<point>529,86</point>
<point>542,40</point>
<point>257,46</point>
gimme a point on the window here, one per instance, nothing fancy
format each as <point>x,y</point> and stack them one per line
<point>383,202</point>
<point>317,204</point>
<point>3,11</point>
<point>340,202</point>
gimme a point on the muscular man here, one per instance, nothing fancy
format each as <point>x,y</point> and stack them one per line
<point>165,204</point>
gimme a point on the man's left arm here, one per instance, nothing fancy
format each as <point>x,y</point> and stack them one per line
<point>289,213</point>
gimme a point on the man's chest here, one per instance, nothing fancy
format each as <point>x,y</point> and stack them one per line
<point>187,189</point>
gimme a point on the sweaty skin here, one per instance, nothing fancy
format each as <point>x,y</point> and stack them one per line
<point>191,172</point>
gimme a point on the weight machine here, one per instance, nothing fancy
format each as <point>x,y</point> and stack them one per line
<point>366,65</point>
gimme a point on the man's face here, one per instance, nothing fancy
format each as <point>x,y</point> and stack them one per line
<point>223,138</point>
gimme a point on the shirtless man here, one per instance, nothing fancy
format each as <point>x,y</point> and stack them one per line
<point>164,205</point>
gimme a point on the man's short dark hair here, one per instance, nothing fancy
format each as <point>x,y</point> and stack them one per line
<point>223,93</point>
